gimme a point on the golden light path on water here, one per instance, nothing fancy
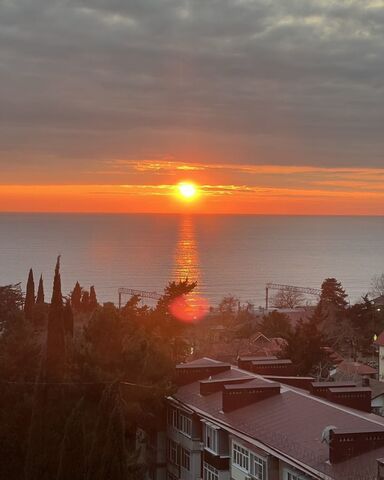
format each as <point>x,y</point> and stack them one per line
<point>186,257</point>
<point>186,265</point>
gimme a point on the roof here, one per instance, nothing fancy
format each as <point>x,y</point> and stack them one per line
<point>292,424</point>
<point>333,356</point>
<point>272,361</point>
<point>252,358</point>
<point>229,351</point>
<point>378,300</point>
<point>332,384</point>
<point>356,368</point>
<point>200,362</point>
<point>259,336</point>
<point>350,390</point>
<point>376,386</point>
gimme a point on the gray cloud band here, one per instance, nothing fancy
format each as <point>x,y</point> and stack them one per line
<point>292,82</point>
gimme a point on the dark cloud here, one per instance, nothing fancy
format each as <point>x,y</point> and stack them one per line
<point>296,81</point>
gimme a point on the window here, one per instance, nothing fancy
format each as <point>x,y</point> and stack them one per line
<point>185,425</point>
<point>291,475</point>
<point>249,462</point>
<point>185,458</point>
<point>209,472</point>
<point>210,437</point>
<point>172,452</point>
<point>172,417</point>
<point>240,457</point>
<point>259,467</point>
<point>170,476</point>
<point>179,421</point>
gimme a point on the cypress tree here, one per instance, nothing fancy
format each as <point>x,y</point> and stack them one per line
<point>76,296</point>
<point>68,319</point>
<point>109,455</point>
<point>40,292</point>
<point>85,301</point>
<point>55,361</point>
<point>73,453</point>
<point>92,298</point>
<point>29,297</point>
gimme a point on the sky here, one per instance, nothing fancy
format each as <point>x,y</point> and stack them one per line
<point>270,107</point>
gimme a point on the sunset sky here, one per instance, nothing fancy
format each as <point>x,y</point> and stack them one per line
<point>270,107</point>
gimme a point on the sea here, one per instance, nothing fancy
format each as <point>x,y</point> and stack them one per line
<point>225,254</point>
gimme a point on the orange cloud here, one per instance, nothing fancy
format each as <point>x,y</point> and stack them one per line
<point>170,165</point>
<point>212,199</point>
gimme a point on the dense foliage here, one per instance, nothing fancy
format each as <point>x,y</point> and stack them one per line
<point>78,378</point>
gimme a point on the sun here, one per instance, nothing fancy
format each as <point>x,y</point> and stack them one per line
<point>187,190</point>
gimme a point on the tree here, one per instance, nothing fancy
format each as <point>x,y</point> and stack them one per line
<point>229,307</point>
<point>287,297</point>
<point>29,297</point>
<point>276,324</point>
<point>85,305</point>
<point>333,295</point>
<point>161,320</point>
<point>367,320</point>
<point>76,296</point>
<point>62,401</point>
<point>377,285</point>
<point>55,359</point>
<point>319,316</point>
<point>111,454</point>
<point>19,360</point>
<point>40,292</point>
<point>304,347</point>
<point>18,349</point>
<point>92,298</point>
<point>73,452</point>
<point>174,290</point>
<point>11,303</point>
<point>68,319</point>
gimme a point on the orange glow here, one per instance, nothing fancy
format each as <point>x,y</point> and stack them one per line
<point>189,308</point>
<point>299,198</point>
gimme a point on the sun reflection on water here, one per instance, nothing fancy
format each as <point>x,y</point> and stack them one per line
<point>186,258</point>
<point>192,307</point>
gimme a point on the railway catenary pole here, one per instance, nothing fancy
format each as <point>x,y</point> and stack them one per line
<point>141,293</point>
<point>293,288</point>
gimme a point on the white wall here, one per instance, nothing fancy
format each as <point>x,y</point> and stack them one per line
<point>381,363</point>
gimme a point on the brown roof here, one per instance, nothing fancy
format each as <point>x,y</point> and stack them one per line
<point>376,386</point>
<point>292,423</point>
<point>356,368</point>
<point>256,358</point>
<point>272,361</point>
<point>200,362</point>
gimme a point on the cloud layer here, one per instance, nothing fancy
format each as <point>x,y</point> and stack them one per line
<point>248,82</point>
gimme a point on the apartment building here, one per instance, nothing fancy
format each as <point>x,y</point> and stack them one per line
<point>225,423</point>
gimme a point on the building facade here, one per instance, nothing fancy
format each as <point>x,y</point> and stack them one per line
<point>225,423</point>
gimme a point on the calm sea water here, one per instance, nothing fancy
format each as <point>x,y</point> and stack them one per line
<point>225,254</point>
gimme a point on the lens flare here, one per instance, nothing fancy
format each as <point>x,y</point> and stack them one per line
<point>189,308</point>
